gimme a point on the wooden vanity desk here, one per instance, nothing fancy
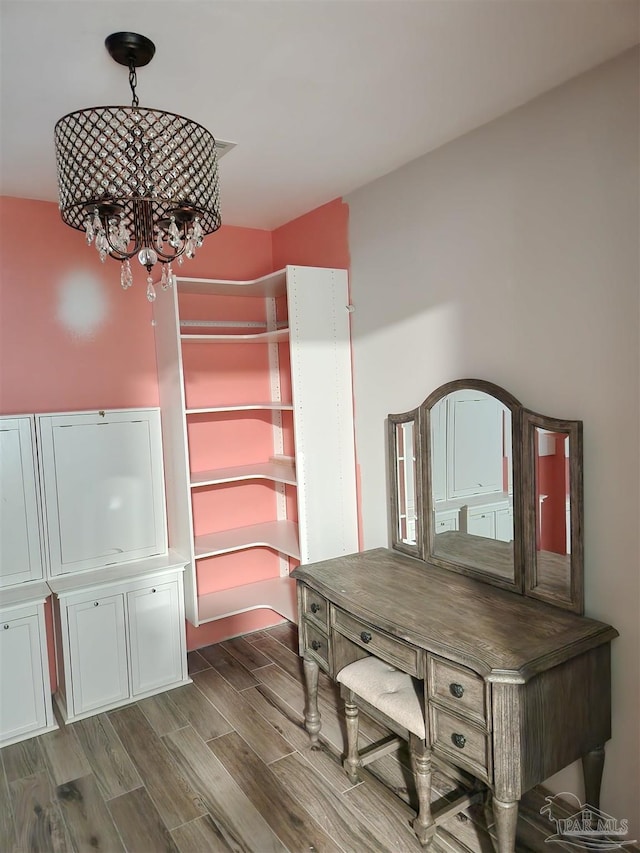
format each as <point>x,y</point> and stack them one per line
<point>515,685</point>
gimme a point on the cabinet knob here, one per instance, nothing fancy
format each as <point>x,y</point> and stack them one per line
<point>458,740</point>
<point>153,590</point>
<point>96,603</point>
<point>456,690</point>
<point>365,636</point>
<point>315,607</point>
<point>315,645</point>
<point>6,627</point>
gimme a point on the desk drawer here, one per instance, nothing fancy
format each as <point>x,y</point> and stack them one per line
<point>315,607</point>
<point>459,688</point>
<point>379,644</point>
<point>465,744</point>
<point>315,643</point>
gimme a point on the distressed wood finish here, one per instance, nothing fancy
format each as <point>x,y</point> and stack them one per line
<point>515,689</point>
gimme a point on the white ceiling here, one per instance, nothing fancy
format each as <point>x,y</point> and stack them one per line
<point>321,96</point>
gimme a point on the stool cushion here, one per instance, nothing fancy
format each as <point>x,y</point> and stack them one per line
<point>394,693</point>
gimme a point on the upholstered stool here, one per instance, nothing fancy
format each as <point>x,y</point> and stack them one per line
<point>397,701</point>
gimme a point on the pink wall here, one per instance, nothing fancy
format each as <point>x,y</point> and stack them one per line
<point>320,238</point>
<point>72,339</point>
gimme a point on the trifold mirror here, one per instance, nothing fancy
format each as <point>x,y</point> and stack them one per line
<point>482,486</point>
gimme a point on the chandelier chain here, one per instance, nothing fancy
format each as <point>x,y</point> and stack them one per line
<point>133,82</point>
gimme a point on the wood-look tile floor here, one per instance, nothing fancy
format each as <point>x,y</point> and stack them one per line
<point>222,764</point>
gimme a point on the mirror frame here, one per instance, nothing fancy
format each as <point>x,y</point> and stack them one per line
<point>394,421</point>
<point>573,430</point>
<point>508,400</point>
<point>523,427</point>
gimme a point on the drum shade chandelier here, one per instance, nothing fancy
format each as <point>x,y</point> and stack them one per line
<point>138,182</point>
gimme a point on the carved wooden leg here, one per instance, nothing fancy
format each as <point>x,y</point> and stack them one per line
<point>506,818</point>
<point>352,760</point>
<point>423,825</point>
<point>312,721</point>
<point>592,767</point>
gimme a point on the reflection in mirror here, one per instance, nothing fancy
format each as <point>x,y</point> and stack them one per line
<point>405,472</point>
<point>406,482</point>
<point>553,513</point>
<point>472,482</point>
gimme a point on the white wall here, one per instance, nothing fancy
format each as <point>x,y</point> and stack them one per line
<point>511,254</point>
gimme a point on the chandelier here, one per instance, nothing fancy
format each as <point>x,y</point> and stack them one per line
<point>138,182</point>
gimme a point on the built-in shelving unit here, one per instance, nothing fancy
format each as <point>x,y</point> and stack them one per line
<point>263,435</point>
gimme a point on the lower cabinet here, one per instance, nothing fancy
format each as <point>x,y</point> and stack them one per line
<point>25,694</point>
<point>118,642</point>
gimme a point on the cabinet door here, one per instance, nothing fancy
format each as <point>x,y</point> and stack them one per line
<point>482,524</point>
<point>104,488</point>
<point>98,654</point>
<point>22,676</point>
<point>20,555</point>
<point>504,525</point>
<point>474,444</point>
<point>156,636</point>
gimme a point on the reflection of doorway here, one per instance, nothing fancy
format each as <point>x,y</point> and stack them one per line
<point>552,487</point>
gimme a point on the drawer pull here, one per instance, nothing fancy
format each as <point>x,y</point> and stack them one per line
<point>315,607</point>
<point>456,690</point>
<point>154,589</point>
<point>96,604</point>
<point>458,740</point>
<point>315,645</point>
<point>6,627</point>
<point>365,636</point>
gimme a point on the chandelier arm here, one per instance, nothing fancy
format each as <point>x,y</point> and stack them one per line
<point>167,259</point>
<point>115,253</point>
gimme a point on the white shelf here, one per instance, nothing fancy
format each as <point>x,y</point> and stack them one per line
<point>271,285</point>
<point>243,407</point>
<point>279,472</point>
<point>277,594</point>
<point>275,337</point>
<point>282,536</point>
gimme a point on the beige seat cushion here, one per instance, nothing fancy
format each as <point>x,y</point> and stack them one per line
<point>394,693</point>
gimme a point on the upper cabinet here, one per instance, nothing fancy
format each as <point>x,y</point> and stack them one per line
<point>20,547</point>
<point>102,483</point>
<point>257,421</point>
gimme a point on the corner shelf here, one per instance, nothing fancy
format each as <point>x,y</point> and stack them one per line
<point>278,472</point>
<point>282,536</point>
<point>277,594</point>
<point>276,337</point>
<point>243,407</point>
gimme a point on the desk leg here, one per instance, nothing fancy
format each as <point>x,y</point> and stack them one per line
<point>592,767</point>
<point>506,818</point>
<point>312,721</point>
<point>424,825</point>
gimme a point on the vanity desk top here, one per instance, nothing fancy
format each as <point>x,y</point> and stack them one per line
<point>502,636</point>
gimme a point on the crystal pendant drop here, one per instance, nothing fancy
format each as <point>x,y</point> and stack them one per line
<point>159,240</point>
<point>102,245</point>
<point>123,236</point>
<point>174,234</point>
<point>97,225</point>
<point>126,276</point>
<point>171,279</point>
<point>151,291</point>
<point>190,247</point>
<point>88,228</point>
<point>164,279</point>
<point>180,260</point>
<point>197,233</point>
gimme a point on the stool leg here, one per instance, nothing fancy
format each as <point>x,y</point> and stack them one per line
<point>423,825</point>
<point>352,760</point>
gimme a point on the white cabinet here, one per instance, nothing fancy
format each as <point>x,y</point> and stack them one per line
<point>25,695</point>
<point>155,620</point>
<point>474,444</point>
<point>97,652</point>
<point>118,638</point>
<point>102,483</point>
<point>491,519</point>
<point>257,424</point>
<point>20,550</point>
<point>446,519</point>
